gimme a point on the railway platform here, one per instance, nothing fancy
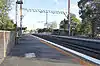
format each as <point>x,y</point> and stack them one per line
<point>30,51</point>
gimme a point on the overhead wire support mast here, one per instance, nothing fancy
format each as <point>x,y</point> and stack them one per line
<point>16,15</point>
<point>47,19</point>
<point>21,17</point>
<point>16,11</point>
<point>69,27</point>
<point>20,2</point>
<point>45,11</point>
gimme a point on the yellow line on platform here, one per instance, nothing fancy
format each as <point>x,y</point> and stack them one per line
<point>2,60</point>
<point>78,60</point>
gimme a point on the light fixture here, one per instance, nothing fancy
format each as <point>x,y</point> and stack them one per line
<point>19,2</point>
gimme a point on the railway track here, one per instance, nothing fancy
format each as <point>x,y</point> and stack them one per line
<point>93,52</point>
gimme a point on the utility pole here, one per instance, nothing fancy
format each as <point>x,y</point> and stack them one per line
<point>16,17</point>
<point>69,28</point>
<point>21,18</point>
<point>20,2</point>
<point>16,11</point>
<point>47,19</point>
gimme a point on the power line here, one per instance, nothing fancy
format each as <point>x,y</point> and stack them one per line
<point>44,11</point>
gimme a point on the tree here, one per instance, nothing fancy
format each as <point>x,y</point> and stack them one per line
<point>74,23</point>
<point>52,25</point>
<point>89,12</point>
<point>40,30</point>
<point>75,20</point>
<point>5,7</point>
<point>10,24</point>
<point>64,24</point>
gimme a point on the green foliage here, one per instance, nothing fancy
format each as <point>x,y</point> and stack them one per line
<point>64,24</point>
<point>5,22</point>
<point>75,24</point>
<point>10,25</point>
<point>44,30</point>
<point>75,20</point>
<point>52,25</point>
<point>83,29</point>
<point>89,12</point>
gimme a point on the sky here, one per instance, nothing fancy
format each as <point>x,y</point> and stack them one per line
<point>33,19</point>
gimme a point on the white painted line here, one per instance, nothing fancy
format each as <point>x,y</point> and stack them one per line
<point>72,51</point>
<point>30,55</point>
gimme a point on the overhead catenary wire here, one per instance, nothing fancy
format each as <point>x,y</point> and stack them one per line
<point>44,11</point>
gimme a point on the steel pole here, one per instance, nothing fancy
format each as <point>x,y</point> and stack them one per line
<point>20,18</point>
<point>16,15</point>
<point>47,19</point>
<point>16,11</point>
<point>69,29</point>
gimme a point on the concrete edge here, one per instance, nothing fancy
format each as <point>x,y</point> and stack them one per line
<point>96,61</point>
